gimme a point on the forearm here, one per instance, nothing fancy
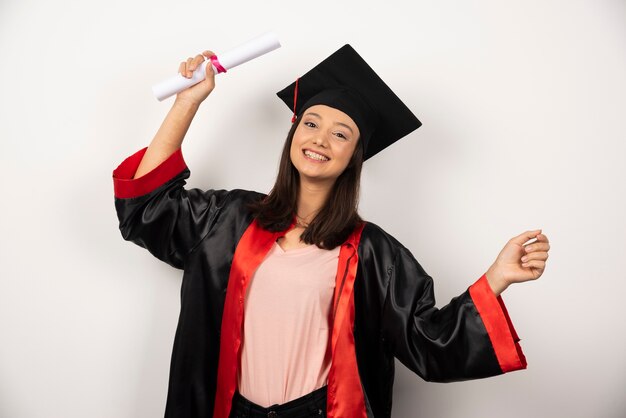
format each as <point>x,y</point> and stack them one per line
<point>169,137</point>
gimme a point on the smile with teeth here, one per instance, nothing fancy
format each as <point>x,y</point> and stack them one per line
<point>315,155</point>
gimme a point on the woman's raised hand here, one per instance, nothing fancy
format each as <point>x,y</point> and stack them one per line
<point>198,92</point>
<point>518,261</point>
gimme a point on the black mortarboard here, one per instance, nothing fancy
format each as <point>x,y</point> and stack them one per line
<point>346,82</point>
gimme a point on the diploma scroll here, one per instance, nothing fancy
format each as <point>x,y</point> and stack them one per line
<point>243,53</point>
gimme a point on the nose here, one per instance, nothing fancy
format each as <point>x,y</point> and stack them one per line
<point>319,140</point>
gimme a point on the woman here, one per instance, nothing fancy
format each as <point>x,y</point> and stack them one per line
<point>291,305</point>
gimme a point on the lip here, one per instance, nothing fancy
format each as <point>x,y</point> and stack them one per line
<point>317,152</point>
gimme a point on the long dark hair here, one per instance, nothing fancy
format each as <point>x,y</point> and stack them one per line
<point>338,216</point>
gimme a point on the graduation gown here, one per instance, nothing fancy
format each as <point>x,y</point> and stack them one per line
<point>383,304</point>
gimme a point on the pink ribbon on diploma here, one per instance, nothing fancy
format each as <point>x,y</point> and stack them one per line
<point>217,64</point>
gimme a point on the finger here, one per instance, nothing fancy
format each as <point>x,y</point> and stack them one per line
<point>535,256</point>
<point>537,264</point>
<point>526,236</point>
<point>209,68</point>
<point>195,62</point>
<point>188,64</point>
<point>183,69</point>
<point>536,246</point>
<point>199,59</point>
<point>542,238</point>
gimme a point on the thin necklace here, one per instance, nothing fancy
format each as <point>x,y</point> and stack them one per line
<point>301,224</point>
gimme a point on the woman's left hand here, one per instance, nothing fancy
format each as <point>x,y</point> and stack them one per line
<point>519,262</point>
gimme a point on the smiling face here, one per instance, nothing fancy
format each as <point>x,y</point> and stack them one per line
<point>323,144</point>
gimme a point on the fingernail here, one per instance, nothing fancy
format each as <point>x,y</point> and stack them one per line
<point>524,259</point>
<point>528,249</point>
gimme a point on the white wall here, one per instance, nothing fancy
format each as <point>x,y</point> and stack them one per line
<point>523,105</point>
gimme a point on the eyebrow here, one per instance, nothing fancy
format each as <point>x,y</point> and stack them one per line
<point>338,123</point>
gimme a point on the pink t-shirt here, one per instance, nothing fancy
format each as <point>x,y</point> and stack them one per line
<point>286,330</point>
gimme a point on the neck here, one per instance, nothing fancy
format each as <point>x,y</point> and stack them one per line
<point>311,198</point>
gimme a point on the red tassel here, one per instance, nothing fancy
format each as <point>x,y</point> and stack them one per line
<point>295,98</point>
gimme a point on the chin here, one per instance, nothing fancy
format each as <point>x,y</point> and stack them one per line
<point>314,176</point>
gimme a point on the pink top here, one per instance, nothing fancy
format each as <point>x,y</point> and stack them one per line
<point>286,327</point>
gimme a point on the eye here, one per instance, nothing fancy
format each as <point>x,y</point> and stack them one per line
<point>310,124</point>
<point>340,135</point>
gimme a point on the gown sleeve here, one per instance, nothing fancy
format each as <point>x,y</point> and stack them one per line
<point>156,212</point>
<point>471,337</point>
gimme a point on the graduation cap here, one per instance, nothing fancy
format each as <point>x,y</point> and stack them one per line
<point>346,82</point>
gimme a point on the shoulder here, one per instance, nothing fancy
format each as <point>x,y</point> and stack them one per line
<point>234,201</point>
<point>243,196</point>
<point>384,261</point>
<point>376,241</point>
<point>379,247</point>
<point>224,197</point>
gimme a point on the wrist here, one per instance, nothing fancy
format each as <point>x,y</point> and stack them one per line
<point>496,280</point>
<point>186,104</point>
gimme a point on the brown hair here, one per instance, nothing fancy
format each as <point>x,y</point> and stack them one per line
<point>335,220</point>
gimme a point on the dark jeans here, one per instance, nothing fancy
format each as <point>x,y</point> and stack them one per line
<point>309,405</point>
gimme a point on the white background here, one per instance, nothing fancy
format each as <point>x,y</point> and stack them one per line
<point>523,105</point>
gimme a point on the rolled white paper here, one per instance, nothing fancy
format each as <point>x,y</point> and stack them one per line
<point>236,56</point>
